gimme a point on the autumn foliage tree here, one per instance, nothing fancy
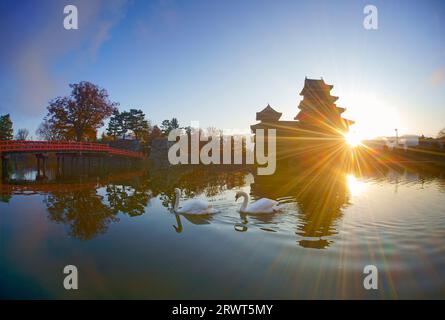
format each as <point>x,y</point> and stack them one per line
<point>79,115</point>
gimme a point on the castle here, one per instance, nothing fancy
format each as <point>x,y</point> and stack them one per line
<point>318,126</point>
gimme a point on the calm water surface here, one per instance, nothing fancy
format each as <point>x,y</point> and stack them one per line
<point>121,234</point>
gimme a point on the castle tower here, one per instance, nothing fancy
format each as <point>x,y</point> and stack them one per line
<point>269,118</point>
<point>268,115</point>
<point>318,132</point>
<point>318,110</point>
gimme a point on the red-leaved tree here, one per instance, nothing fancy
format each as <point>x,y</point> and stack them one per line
<point>79,115</point>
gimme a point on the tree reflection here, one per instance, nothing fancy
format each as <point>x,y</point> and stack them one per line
<point>318,193</point>
<point>88,213</point>
<point>5,197</point>
<point>128,199</point>
<point>88,204</point>
<point>84,212</point>
<point>193,181</point>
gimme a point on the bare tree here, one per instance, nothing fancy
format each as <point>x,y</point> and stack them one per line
<point>47,132</point>
<point>22,134</point>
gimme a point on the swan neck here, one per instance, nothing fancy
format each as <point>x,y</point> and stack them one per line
<point>179,227</point>
<point>245,201</point>
<point>178,195</point>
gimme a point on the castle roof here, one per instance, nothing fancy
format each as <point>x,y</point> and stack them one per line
<point>315,85</point>
<point>317,109</point>
<point>268,114</point>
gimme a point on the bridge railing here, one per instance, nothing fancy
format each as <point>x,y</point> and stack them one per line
<point>61,146</point>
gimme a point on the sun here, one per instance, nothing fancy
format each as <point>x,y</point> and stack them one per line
<point>353,139</point>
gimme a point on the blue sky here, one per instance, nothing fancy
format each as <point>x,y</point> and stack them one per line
<point>219,62</point>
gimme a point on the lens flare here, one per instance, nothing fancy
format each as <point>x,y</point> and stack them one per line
<point>355,186</point>
<point>353,139</point>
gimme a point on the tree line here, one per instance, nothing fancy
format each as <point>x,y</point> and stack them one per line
<point>79,116</point>
<point>7,132</point>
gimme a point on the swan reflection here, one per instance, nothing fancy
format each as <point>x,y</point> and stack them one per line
<point>193,219</point>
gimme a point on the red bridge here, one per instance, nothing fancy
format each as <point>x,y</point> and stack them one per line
<point>64,147</point>
<point>79,153</point>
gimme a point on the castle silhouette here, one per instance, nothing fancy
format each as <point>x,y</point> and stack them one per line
<point>317,128</point>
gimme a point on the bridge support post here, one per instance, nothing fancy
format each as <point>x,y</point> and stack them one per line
<point>60,164</point>
<point>71,164</point>
<point>5,161</point>
<point>82,160</point>
<point>102,164</point>
<point>89,164</point>
<point>41,166</point>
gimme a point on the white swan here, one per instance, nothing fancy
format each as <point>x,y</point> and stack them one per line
<point>262,205</point>
<point>192,206</point>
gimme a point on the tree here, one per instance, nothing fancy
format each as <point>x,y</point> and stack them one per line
<point>133,120</point>
<point>6,132</point>
<point>188,130</point>
<point>79,115</point>
<point>47,132</point>
<point>174,124</point>
<point>114,124</point>
<point>441,134</point>
<point>124,123</point>
<point>105,137</point>
<point>169,125</point>
<point>155,133</point>
<point>138,124</point>
<point>22,134</point>
<point>165,127</point>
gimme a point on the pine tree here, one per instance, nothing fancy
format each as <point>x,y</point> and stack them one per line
<point>138,124</point>
<point>6,131</point>
<point>169,125</point>
<point>113,124</point>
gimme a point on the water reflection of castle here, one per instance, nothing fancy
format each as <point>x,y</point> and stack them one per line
<point>318,126</point>
<point>316,140</point>
<point>321,196</point>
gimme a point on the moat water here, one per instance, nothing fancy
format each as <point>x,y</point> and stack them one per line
<point>119,230</point>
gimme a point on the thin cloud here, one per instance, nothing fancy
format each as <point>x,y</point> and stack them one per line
<point>32,56</point>
<point>116,11</point>
<point>438,77</point>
